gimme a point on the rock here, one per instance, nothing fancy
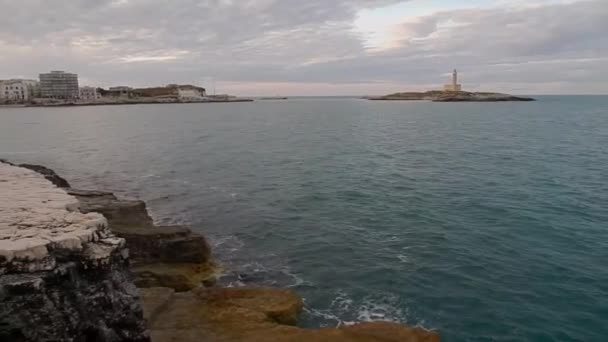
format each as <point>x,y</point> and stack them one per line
<point>168,256</point>
<point>279,305</point>
<point>48,174</point>
<point>155,300</point>
<point>117,212</point>
<point>223,313</point>
<point>178,276</point>
<point>388,331</point>
<point>72,303</point>
<point>176,244</point>
<point>63,275</point>
<point>254,314</point>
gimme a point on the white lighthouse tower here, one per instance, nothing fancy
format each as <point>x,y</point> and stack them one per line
<point>454,86</point>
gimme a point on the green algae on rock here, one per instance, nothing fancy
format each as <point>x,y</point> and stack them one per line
<point>253,314</point>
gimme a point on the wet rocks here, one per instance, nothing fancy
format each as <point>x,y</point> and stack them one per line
<point>116,211</point>
<point>166,256</point>
<point>178,276</point>
<point>164,244</point>
<point>49,174</point>
<point>253,314</point>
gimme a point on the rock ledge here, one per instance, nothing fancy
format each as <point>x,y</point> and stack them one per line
<point>63,275</point>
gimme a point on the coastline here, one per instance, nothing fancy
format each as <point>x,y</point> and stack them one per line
<point>174,270</point>
<point>76,104</point>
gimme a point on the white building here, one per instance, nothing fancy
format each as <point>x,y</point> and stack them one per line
<point>455,86</point>
<point>189,92</point>
<point>59,85</point>
<point>18,90</point>
<point>89,93</point>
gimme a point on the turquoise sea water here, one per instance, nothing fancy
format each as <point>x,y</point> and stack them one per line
<point>487,222</point>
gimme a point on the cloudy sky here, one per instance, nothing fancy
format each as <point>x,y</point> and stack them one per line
<point>313,47</point>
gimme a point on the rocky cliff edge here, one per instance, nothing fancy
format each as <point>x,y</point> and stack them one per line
<point>63,275</point>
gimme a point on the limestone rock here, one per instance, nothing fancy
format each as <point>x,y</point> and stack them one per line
<point>155,300</point>
<point>164,244</point>
<point>254,314</point>
<point>71,303</point>
<point>279,305</point>
<point>63,275</point>
<point>167,256</point>
<point>178,276</point>
<point>49,174</point>
<point>117,212</point>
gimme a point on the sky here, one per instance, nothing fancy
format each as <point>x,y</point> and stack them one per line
<point>312,47</point>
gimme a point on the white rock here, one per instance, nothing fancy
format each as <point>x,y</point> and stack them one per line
<point>37,217</point>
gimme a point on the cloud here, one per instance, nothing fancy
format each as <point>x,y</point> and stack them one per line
<point>308,46</point>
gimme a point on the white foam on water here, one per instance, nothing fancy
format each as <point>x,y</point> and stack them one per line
<point>230,240</point>
<point>403,258</point>
<point>324,315</point>
<point>383,309</point>
<point>341,303</point>
<point>237,283</point>
<point>392,239</point>
<point>298,281</point>
<point>339,307</point>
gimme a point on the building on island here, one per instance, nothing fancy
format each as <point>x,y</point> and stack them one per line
<point>454,86</point>
<point>18,90</point>
<point>190,92</point>
<point>89,94</point>
<point>59,85</point>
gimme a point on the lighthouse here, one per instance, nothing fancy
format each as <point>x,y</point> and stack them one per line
<point>454,86</point>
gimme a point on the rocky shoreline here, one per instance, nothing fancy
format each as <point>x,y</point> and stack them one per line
<point>450,96</point>
<point>82,265</point>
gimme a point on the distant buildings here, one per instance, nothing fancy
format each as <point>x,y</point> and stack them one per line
<point>18,90</point>
<point>119,91</point>
<point>189,92</point>
<point>59,85</point>
<point>89,94</point>
<point>455,86</point>
<point>173,91</point>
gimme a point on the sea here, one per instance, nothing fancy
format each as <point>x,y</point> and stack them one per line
<point>482,221</point>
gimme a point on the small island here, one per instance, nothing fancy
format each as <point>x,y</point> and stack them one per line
<point>270,98</point>
<point>451,93</point>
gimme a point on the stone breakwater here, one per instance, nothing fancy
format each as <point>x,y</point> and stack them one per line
<point>63,274</point>
<point>66,261</point>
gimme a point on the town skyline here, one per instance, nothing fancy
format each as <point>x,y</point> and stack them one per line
<point>357,47</point>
